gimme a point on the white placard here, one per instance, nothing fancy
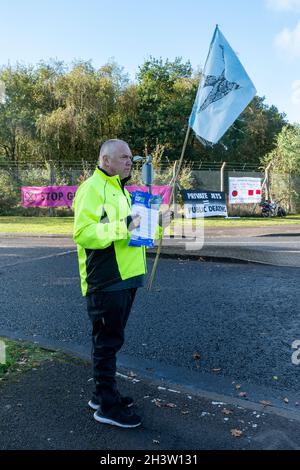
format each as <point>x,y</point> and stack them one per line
<point>149,221</point>
<point>244,190</point>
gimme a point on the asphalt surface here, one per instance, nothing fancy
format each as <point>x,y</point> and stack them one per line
<point>241,319</point>
<point>274,245</point>
<point>218,334</point>
<point>46,409</point>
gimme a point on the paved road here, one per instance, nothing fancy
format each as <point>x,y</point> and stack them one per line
<point>274,245</point>
<point>239,318</point>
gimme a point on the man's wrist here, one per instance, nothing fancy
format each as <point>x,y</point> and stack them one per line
<point>128,220</point>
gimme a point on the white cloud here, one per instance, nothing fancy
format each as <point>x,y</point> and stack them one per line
<point>288,42</point>
<point>296,92</point>
<point>284,5</point>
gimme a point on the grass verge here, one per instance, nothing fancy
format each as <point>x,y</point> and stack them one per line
<point>64,225</point>
<point>43,225</point>
<point>20,356</point>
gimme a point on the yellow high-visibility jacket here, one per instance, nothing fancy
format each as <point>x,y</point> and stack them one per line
<point>101,206</point>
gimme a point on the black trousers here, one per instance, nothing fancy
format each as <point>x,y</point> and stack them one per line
<point>108,312</point>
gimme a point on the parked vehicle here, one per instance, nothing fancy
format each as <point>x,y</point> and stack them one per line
<point>272,209</point>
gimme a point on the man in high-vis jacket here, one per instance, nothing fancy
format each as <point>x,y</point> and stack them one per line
<point>110,272</point>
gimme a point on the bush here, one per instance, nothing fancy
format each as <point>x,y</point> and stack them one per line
<point>164,169</point>
<point>9,193</point>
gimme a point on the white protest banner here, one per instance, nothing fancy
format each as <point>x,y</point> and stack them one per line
<point>244,190</point>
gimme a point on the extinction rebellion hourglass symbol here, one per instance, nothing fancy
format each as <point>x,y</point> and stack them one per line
<point>30,197</point>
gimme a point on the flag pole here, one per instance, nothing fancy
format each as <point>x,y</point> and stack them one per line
<point>151,279</point>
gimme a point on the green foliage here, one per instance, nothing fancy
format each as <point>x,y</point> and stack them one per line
<point>285,158</point>
<point>162,101</point>
<point>251,136</point>
<point>87,113</point>
<point>22,356</point>
<point>51,112</point>
<point>164,170</point>
<point>254,133</point>
<point>9,192</point>
<point>285,168</point>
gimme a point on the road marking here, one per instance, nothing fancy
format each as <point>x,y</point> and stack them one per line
<point>283,251</point>
<point>56,255</point>
<point>8,254</point>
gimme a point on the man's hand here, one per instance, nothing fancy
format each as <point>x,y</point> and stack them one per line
<point>133,222</point>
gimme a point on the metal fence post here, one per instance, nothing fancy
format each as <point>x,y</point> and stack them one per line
<point>2,352</point>
<point>222,175</point>
<point>52,183</point>
<point>290,197</point>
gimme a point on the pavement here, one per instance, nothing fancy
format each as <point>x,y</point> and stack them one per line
<point>273,245</point>
<point>46,407</point>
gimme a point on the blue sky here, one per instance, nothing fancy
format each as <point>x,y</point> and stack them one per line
<point>264,33</point>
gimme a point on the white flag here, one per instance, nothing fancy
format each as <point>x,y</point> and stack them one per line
<point>224,92</point>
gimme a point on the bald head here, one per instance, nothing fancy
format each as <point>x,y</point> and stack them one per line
<point>116,158</point>
<point>111,147</point>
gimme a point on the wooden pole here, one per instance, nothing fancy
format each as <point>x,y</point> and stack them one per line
<point>173,184</point>
<point>151,279</point>
<point>266,182</point>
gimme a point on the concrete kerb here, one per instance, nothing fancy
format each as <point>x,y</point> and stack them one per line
<point>34,235</point>
<point>174,253</point>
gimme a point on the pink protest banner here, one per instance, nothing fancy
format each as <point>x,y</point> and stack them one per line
<point>47,196</point>
<point>164,191</point>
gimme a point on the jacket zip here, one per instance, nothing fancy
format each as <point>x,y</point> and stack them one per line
<point>124,193</point>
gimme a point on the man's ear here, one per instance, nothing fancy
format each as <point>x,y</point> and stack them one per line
<point>106,161</point>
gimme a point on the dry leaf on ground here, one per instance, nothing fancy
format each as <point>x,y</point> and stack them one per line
<point>157,402</point>
<point>236,432</point>
<point>266,403</point>
<point>132,374</point>
<point>225,411</point>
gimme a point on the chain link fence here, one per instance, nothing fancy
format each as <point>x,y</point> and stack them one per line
<point>213,176</point>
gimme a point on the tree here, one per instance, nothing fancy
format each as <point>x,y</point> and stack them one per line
<point>29,93</point>
<point>63,114</point>
<point>162,100</point>
<point>16,112</point>
<point>285,167</point>
<point>87,113</point>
